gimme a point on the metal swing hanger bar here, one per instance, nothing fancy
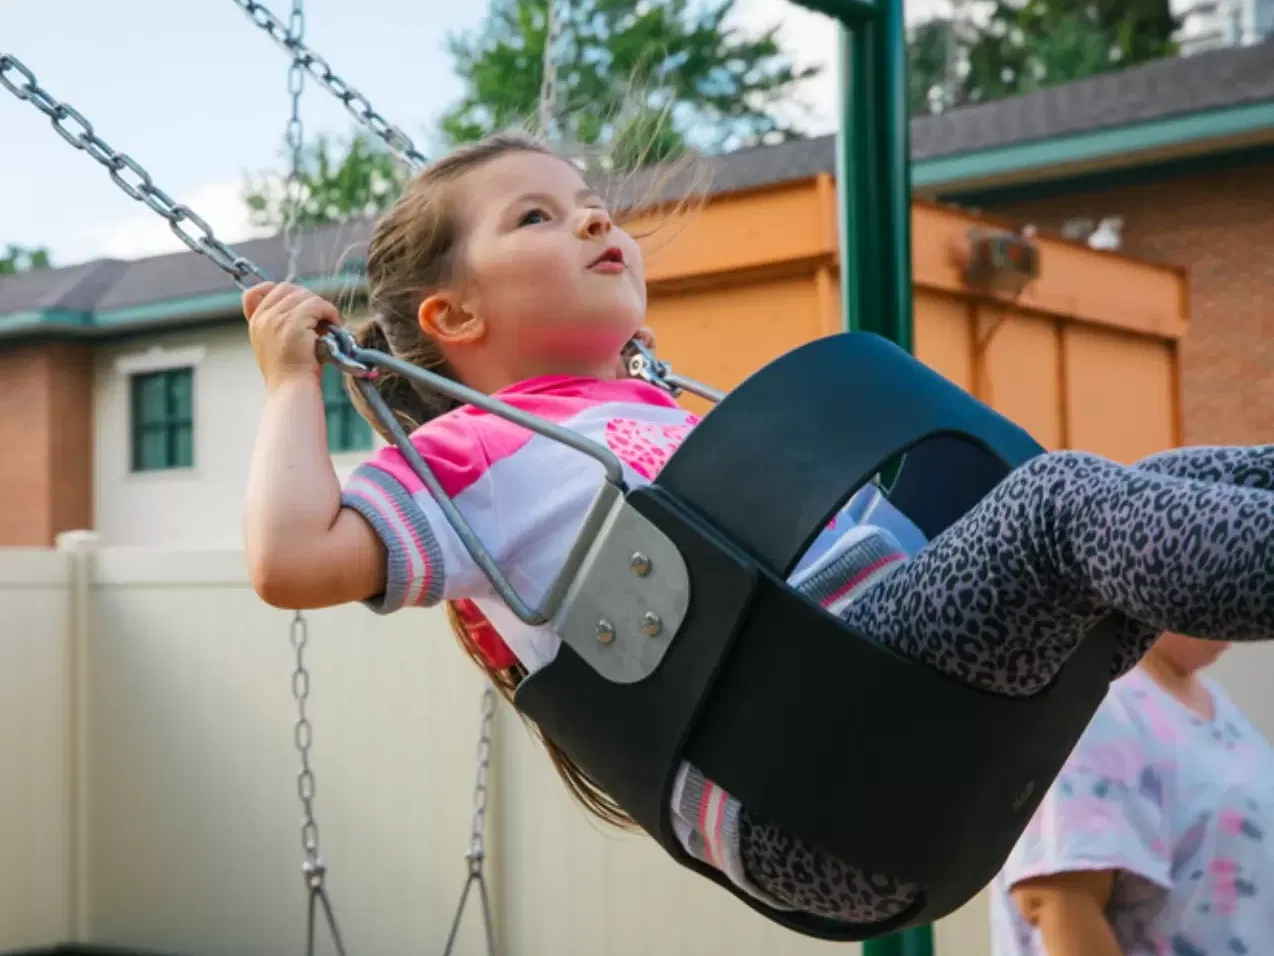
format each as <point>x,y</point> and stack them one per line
<point>363,364</point>
<point>640,361</point>
<point>337,346</point>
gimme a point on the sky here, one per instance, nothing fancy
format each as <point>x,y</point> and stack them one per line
<point>198,96</point>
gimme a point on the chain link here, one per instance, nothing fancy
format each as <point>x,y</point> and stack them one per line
<point>127,173</point>
<point>477,839</point>
<point>313,869</point>
<point>296,141</point>
<point>477,852</point>
<point>355,102</point>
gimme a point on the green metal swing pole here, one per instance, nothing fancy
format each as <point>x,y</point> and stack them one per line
<point>874,187</point>
<point>874,168</point>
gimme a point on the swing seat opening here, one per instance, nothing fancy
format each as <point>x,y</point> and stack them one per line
<point>886,763</point>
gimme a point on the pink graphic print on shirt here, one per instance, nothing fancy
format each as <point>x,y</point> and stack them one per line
<point>645,447</point>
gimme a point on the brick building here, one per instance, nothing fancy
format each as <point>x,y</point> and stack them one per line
<point>98,403</point>
<point>1182,152</point>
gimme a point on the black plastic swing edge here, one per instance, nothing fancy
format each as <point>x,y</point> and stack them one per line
<point>736,694</point>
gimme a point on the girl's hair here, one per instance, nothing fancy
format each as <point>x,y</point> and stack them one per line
<point>414,250</point>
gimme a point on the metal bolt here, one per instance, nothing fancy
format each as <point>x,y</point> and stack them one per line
<point>640,564</point>
<point>654,626</point>
<point>605,631</point>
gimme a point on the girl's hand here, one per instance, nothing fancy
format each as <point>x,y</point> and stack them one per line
<point>283,326</point>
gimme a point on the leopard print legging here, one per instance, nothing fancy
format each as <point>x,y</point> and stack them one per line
<point>1182,541</point>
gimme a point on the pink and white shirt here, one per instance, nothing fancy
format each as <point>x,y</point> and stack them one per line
<point>524,495</point>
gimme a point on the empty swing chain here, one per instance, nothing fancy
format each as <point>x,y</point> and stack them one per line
<point>477,853</point>
<point>313,869</point>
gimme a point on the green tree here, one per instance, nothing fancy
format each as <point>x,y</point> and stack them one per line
<point>23,259</point>
<point>339,180</point>
<point>636,78</point>
<point>1024,45</point>
<point>927,43</point>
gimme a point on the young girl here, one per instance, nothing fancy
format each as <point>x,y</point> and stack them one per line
<point>500,268</point>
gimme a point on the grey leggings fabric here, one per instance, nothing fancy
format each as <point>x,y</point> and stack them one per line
<point>1182,541</point>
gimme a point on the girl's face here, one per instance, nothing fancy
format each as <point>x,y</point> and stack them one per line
<point>556,286</point>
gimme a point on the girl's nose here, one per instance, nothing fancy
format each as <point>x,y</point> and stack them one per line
<point>593,224</point>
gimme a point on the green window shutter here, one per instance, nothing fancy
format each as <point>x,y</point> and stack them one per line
<point>346,429</point>
<point>162,419</point>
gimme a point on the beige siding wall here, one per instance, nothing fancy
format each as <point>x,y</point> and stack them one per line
<point>149,792</point>
<point>188,783</point>
<point>195,507</point>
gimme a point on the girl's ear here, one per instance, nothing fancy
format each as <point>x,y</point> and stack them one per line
<point>442,319</point>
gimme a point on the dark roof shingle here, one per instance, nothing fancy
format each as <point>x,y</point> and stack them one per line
<point>1158,90</point>
<point>77,288</point>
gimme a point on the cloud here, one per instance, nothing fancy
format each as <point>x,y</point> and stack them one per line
<point>146,233</point>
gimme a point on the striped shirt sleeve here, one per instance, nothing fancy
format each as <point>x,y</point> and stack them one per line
<point>415,573</point>
<point>426,561</point>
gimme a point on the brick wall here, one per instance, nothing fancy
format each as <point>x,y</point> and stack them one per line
<point>1220,226</point>
<point>46,442</point>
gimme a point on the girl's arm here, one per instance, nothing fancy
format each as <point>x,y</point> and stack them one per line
<point>1069,911</point>
<point>304,550</point>
<point>1103,815</point>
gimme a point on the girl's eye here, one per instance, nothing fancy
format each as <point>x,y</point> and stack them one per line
<point>533,217</point>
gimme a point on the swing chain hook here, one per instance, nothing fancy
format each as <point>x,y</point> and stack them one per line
<point>127,173</point>
<point>337,346</point>
<point>643,364</point>
<point>314,870</point>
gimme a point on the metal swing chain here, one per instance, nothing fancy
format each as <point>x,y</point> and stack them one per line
<point>313,869</point>
<point>477,852</point>
<point>355,102</point>
<point>296,142</point>
<point>128,174</point>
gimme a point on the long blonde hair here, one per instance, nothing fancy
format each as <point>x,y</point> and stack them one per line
<point>413,252</point>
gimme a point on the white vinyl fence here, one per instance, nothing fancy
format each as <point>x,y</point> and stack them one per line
<point>149,775</point>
